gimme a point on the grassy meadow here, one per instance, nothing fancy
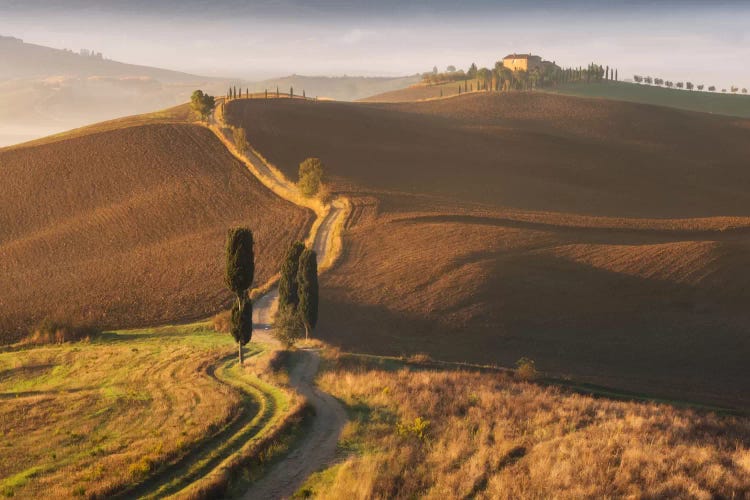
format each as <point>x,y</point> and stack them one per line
<point>419,432</point>
<point>143,413</point>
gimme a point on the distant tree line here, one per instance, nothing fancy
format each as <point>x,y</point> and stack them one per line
<point>502,78</point>
<point>660,82</point>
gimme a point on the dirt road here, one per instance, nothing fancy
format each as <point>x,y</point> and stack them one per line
<point>318,446</point>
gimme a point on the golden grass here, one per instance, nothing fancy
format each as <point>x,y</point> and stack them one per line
<point>152,412</point>
<point>418,433</point>
<point>126,227</point>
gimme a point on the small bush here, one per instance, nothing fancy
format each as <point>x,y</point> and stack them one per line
<point>57,332</point>
<point>222,322</point>
<point>526,369</point>
<point>417,428</point>
<point>240,140</point>
<point>310,176</point>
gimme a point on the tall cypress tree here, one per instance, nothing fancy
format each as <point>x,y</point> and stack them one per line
<point>288,280</point>
<point>307,290</point>
<point>240,270</point>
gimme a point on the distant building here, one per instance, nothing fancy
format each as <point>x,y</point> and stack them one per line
<point>525,62</point>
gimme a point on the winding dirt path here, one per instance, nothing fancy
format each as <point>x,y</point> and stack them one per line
<point>318,446</point>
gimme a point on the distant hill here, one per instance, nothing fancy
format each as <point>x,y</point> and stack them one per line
<point>717,103</point>
<point>340,88</point>
<point>45,90</point>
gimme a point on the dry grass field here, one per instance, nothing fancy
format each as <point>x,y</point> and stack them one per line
<point>608,241</point>
<point>424,433</point>
<point>123,224</point>
<point>153,410</point>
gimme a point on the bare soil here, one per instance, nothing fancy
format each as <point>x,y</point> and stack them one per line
<point>125,226</point>
<point>605,240</point>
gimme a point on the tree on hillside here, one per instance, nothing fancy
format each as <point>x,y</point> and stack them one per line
<point>484,76</point>
<point>700,87</point>
<point>450,69</point>
<point>679,85</point>
<point>307,289</point>
<point>240,271</point>
<point>310,176</point>
<point>712,88</point>
<point>288,294</point>
<point>638,78</point>
<point>240,140</point>
<point>689,85</point>
<point>288,325</point>
<point>202,104</point>
<point>744,90</point>
<point>472,73</point>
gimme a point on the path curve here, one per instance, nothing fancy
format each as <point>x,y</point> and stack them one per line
<point>318,446</point>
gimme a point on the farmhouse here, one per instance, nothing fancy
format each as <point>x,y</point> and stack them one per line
<point>525,62</point>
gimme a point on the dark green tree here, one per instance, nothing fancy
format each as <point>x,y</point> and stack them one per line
<point>307,290</point>
<point>202,104</point>
<point>240,270</point>
<point>291,91</point>
<point>288,294</point>
<point>310,176</point>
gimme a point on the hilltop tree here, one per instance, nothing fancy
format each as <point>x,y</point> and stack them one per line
<point>689,85</point>
<point>307,289</point>
<point>288,294</point>
<point>472,73</point>
<point>450,69</point>
<point>239,274</point>
<point>744,90</point>
<point>310,176</point>
<point>701,86</point>
<point>712,88</point>
<point>202,104</point>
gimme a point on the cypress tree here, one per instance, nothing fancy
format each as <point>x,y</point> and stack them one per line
<point>240,270</point>
<point>291,92</point>
<point>266,93</point>
<point>277,91</point>
<point>288,294</point>
<point>307,289</point>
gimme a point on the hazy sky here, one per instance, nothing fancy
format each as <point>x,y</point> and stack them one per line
<point>705,42</point>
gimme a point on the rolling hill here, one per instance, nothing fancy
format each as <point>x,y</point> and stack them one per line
<point>704,102</point>
<point>606,240</point>
<point>45,91</point>
<point>123,224</point>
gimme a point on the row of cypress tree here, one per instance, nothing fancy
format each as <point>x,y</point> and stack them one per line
<point>298,293</point>
<point>298,289</point>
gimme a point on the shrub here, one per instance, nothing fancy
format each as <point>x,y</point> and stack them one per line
<point>310,176</point>
<point>222,322</point>
<point>240,140</point>
<point>526,369</point>
<point>417,428</point>
<point>57,332</point>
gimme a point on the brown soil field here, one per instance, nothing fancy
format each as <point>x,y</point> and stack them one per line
<point>608,241</point>
<point>124,225</point>
<point>522,150</point>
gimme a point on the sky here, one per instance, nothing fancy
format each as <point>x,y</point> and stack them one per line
<point>703,42</point>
